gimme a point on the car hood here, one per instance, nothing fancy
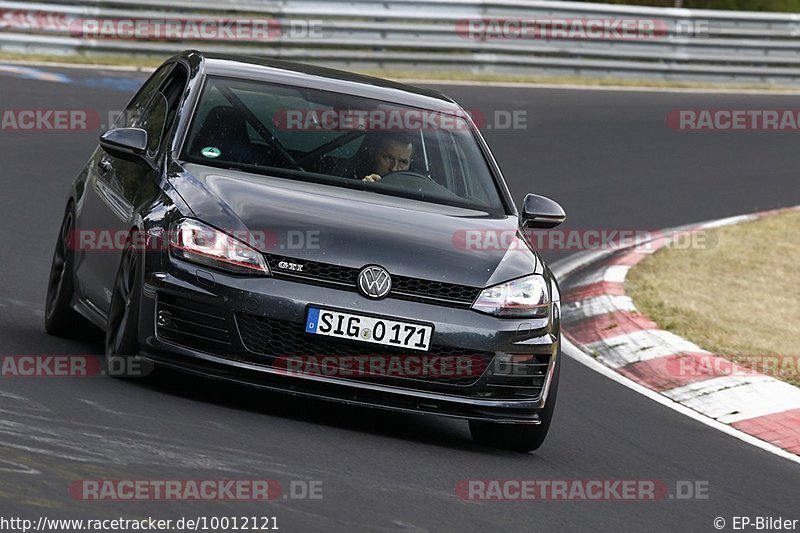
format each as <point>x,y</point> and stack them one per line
<point>346,227</point>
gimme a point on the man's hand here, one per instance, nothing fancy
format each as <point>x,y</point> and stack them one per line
<point>372,178</point>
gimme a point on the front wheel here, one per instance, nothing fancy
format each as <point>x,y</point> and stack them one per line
<point>518,437</point>
<point>122,330</point>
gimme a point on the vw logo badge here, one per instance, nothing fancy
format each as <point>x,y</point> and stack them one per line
<point>374,282</point>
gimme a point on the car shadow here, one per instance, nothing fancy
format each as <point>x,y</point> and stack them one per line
<point>406,426</point>
<point>423,429</point>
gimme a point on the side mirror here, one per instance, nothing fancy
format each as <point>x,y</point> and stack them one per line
<point>129,144</point>
<point>541,212</point>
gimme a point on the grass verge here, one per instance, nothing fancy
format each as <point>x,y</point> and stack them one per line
<point>739,297</point>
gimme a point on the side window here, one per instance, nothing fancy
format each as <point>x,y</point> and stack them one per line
<point>154,122</point>
<point>158,117</point>
<point>174,91</point>
<point>137,105</point>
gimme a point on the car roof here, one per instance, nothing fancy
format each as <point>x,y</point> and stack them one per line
<point>326,79</point>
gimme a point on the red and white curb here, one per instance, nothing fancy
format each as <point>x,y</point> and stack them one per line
<point>603,329</point>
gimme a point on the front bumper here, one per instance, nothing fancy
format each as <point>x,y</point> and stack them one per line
<point>490,396</point>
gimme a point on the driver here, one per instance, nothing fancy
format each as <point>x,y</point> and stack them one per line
<point>384,154</point>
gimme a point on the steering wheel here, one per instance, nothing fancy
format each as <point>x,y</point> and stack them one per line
<point>407,179</point>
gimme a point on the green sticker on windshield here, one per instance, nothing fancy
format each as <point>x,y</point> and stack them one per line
<point>211,152</point>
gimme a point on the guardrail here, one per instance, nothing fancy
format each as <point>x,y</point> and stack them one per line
<point>528,37</point>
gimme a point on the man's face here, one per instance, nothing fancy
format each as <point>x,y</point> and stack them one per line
<point>392,157</point>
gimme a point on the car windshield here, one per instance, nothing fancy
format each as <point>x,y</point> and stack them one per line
<point>342,140</point>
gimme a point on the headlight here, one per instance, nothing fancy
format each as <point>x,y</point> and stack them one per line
<point>520,298</point>
<point>199,243</point>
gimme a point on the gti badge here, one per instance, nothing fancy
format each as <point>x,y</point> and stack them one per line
<point>294,267</point>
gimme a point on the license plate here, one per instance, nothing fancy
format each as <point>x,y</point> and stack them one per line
<point>368,329</point>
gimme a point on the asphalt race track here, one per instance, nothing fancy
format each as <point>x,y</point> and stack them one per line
<point>612,162</point>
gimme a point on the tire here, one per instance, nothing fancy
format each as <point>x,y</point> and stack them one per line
<point>122,330</point>
<point>60,319</point>
<point>518,437</point>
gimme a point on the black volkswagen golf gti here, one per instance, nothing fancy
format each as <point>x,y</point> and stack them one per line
<point>319,233</point>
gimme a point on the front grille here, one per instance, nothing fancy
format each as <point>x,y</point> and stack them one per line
<point>405,288</point>
<point>313,271</point>
<point>280,340</point>
<point>523,374</point>
<point>193,324</point>
<point>421,288</point>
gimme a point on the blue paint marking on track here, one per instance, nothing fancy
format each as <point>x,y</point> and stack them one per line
<point>127,85</point>
<point>117,84</point>
<point>33,73</point>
